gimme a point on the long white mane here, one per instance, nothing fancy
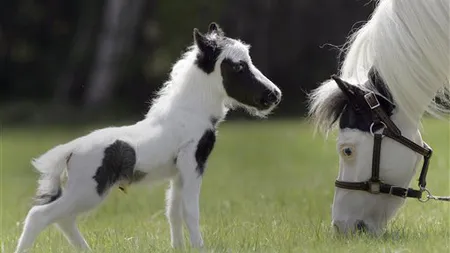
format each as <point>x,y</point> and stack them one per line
<point>408,43</point>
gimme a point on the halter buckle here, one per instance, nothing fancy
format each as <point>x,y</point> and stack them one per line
<point>372,100</point>
<point>403,190</point>
<point>374,187</point>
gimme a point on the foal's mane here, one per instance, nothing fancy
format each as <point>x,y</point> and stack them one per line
<point>408,43</point>
<point>171,85</point>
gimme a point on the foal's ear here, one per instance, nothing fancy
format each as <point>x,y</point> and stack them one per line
<point>215,28</point>
<point>198,36</point>
<point>200,40</point>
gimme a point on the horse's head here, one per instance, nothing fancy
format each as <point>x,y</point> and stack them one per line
<point>240,81</point>
<point>389,83</point>
<point>364,199</point>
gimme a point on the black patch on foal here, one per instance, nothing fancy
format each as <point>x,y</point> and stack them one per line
<point>118,164</point>
<point>204,148</point>
<point>210,46</point>
<point>207,57</point>
<point>241,84</point>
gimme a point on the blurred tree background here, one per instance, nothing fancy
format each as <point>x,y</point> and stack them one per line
<point>63,61</point>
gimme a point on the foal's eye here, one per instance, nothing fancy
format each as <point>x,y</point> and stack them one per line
<point>347,151</point>
<point>238,67</point>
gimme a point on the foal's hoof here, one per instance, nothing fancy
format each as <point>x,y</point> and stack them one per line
<point>200,247</point>
<point>178,246</point>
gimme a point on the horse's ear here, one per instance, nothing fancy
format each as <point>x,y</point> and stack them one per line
<point>200,40</point>
<point>349,90</point>
<point>215,28</point>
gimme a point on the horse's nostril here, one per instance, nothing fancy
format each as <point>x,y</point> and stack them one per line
<point>361,226</point>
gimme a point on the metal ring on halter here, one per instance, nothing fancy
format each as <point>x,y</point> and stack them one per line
<point>428,197</point>
<point>373,124</point>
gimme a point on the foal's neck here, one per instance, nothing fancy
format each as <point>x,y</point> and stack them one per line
<point>192,92</point>
<point>200,94</point>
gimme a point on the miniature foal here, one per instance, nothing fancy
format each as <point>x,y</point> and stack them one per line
<point>172,142</point>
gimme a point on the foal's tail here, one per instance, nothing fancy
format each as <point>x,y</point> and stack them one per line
<point>51,165</point>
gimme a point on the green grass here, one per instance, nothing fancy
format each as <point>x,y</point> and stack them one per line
<point>268,187</point>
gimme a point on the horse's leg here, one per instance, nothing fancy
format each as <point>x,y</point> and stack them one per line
<point>190,194</point>
<point>175,212</point>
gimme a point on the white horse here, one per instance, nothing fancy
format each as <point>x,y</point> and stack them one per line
<point>396,65</point>
<point>172,142</point>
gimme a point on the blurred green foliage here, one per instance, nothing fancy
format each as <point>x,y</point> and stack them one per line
<point>49,49</point>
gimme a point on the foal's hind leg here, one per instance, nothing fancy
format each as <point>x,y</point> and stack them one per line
<point>76,199</point>
<point>35,222</point>
<point>38,218</point>
<point>69,228</point>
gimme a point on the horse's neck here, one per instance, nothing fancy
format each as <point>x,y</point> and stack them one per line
<point>419,105</point>
<point>404,123</point>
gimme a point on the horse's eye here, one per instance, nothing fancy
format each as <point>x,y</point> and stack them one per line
<point>347,151</point>
<point>238,67</point>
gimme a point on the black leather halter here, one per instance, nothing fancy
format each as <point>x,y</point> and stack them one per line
<point>381,121</point>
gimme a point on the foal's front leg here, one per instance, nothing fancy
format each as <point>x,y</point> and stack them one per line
<point>191,210</point>
<point>175,212</point>
<point>190,193</point>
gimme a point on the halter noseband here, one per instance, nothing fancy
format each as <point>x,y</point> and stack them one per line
<point>374,185</point>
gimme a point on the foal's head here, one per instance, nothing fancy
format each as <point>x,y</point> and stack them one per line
<point>241,83</point>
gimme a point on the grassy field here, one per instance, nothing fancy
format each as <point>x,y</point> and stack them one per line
<point>268,187</point>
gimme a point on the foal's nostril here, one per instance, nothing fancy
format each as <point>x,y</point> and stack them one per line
<point>361,226</point>
<point>278,95</point>
<point>272,98</point>
<point>269,98</point>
